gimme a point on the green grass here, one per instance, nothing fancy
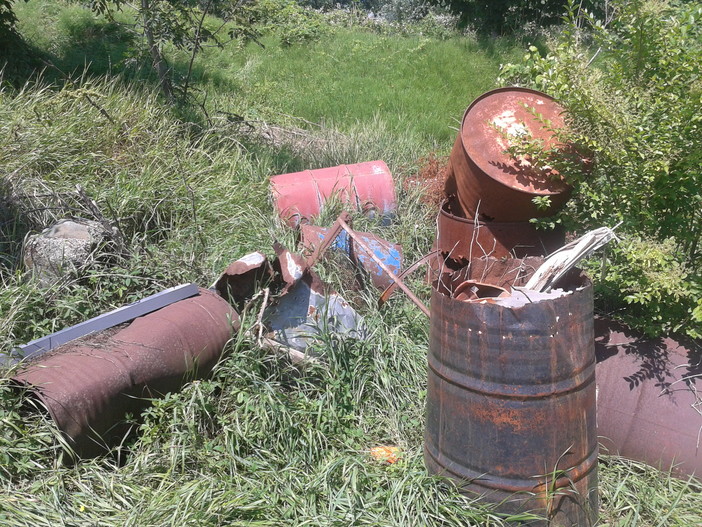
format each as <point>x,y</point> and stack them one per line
<point>414,83</point>
<point>259,444</point>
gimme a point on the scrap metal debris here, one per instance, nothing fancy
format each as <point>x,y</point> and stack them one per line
<point>307,309</point>
<point>239,281</point>
<point>89,385</point>
<point>567,257</point>
<point>39,346</point>
<point>389,253</point>
<point>307,306</point>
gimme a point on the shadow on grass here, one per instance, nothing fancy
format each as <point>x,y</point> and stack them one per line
<point>13,229</point>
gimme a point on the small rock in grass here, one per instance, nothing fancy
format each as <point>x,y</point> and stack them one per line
<point>64,246</point>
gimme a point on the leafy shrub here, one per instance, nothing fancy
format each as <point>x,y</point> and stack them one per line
<point>633,92</point>
<point>292,22</point>
<point>7,20</point>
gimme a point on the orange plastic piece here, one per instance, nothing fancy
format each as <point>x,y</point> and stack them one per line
<point>386,454</point>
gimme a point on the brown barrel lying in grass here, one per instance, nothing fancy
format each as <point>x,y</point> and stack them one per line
<point>88,386</point>
<point>649,406</point>
<point>492,184</point>
<point>511,401</point>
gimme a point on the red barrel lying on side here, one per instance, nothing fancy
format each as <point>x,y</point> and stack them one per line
<point>300,196</point>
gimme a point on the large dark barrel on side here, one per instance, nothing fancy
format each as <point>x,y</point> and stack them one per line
<point>89,385</point>
<point>511,403</point>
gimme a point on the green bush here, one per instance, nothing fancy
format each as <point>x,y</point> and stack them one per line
<point>290,21</point>
<point>633,92</point>
<point>7,20</point>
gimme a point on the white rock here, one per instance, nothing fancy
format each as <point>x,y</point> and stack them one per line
<point>64,246</point>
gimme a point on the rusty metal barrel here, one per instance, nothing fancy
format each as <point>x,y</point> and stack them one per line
<point>461,238</point>
<point>511,402</point>
<point>491,183</point>
<point>88,386</point>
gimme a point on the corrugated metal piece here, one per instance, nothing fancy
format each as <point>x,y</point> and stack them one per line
<point>299,196</point>
<point>491,184</point>
<point>89,386</point>
<point>648,405</point>
<point>38,347</point>
<point>511,401</point>
<point>461,238</point>
<point>389,253</point>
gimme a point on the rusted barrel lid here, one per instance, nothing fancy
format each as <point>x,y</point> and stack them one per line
<point>490,181</point>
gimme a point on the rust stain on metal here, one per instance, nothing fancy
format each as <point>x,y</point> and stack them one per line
<point>490,183</point>
<point>239,281</point>
<point>511,394</point>
<point>88,388</point>
<point>461,238</point>
<point>300,196</point>
<point>648,404</point>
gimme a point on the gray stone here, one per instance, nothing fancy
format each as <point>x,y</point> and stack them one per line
<point>63,247</point>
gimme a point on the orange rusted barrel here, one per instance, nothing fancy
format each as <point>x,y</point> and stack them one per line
<point>511,399</point>
<point>461,238</point>
<point>492,184</point>
<point>299,196</point>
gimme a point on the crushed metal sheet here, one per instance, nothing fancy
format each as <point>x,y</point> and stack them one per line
<point>389,253</point>
<point>306,309</point>
<point>291,266</point>
<point>240,280</point>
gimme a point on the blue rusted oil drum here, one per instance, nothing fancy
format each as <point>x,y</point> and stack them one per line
<point>511,401</point>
